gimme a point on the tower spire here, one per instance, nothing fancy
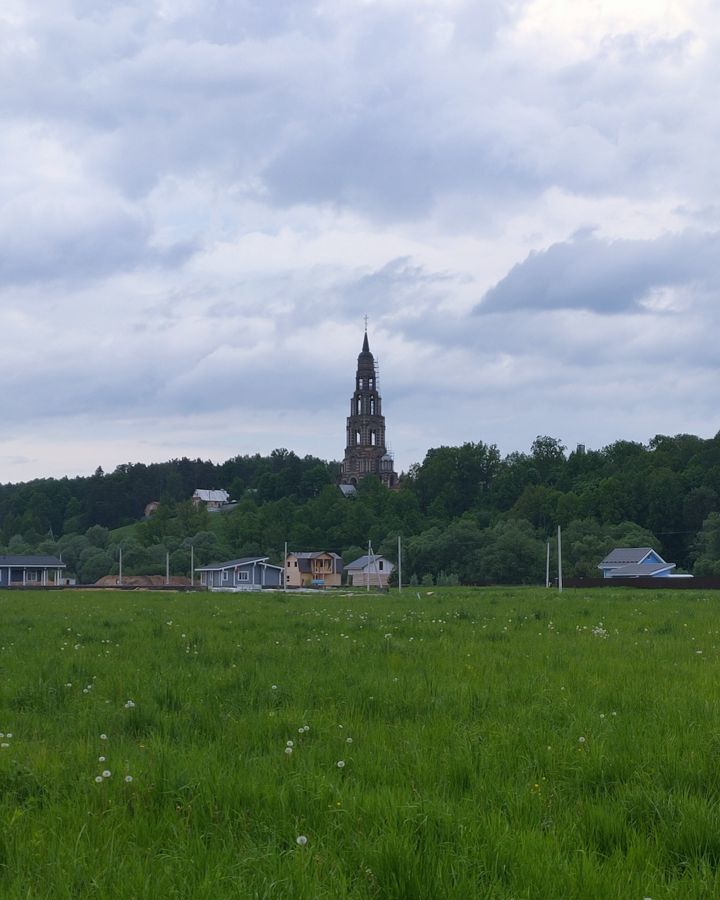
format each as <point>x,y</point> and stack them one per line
<point>365,449</point>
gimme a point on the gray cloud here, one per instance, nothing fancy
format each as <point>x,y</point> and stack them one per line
<point>607,276</point>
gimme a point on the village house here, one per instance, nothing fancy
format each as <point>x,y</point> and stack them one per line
<point>369,570</point>
<point>635,562</point>
<point>33,571</point>
<point>313,569</point>
<point>250,573</point>
<point>212,500</point>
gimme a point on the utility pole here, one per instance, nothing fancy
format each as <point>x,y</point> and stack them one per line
<point>559,561</point>
<point>369,567</point>
<point>285,572</point>
<point>399,565</point>
<point>120,566</point>
<point>192,565</point>
<point>547,566</point>
<point>167,567</point>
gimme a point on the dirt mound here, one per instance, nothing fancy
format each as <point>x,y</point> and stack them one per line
<point>142,580</point>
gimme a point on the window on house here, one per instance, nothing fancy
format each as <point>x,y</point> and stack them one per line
<point>243,576</point>
<point>380,565</point>
<point>226,575</point>
<point>32,575</point>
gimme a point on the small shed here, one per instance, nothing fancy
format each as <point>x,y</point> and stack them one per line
<point>30,571</point>
<point>250,573</point>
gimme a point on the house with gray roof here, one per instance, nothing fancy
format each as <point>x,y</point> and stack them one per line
<point>313,568</point>
<point>249,573</point>
<point>212,499</point>
<point>372,570</point>
<point>635,562</point>
<point>30,571</point>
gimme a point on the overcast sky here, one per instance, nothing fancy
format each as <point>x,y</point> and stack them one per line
<point>201,199</point>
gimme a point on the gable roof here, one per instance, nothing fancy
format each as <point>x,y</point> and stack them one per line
<point>37,562</point>
<point>304,557</point>
<point>625,556</point>
<point>237,563</point>
<point>363,561</point>
<point>640,569</point>
<point>220,496</point>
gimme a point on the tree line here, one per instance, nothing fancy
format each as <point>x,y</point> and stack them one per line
<point>466,513</point>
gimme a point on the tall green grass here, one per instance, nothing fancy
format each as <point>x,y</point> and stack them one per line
<point>495,743</point>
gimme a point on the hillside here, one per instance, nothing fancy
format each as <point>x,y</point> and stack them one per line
<point>466,513</point>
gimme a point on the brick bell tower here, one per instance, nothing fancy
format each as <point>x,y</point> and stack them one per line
<point>365,450</point>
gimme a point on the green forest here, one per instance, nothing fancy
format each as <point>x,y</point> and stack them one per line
<point>466,514</point>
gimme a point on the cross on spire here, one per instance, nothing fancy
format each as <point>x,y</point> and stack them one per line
<point>366,320</point>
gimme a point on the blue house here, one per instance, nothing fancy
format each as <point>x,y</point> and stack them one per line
<point>250,573</point>
<point>30,571</point>
<point>635,562</point>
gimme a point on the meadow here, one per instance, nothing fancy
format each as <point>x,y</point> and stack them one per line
<point>456,743</point>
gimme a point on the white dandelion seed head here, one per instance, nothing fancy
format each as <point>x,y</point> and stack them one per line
<point>101,759</point>
<point>290,744</point>
<point>103,737</point>
<point>288,750</point>
<point>106,773</point>
<point>301,840</point>
<point>273,687</point>
<point>341,764</point>
<point>581,740</point>
<point>98,779</point>
<point>128,778</point>
<point>348,740</point>
<point>4,745</point>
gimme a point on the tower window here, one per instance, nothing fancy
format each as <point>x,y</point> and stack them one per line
<point>357,436</point>
<point>373,438</point>
<point>372,406</point>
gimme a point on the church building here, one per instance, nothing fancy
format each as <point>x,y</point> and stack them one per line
<point>365,449</point>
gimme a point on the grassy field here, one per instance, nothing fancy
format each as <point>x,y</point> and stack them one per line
<point>467,743</point>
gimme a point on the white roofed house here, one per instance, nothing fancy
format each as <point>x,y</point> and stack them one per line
<point>212,499</point>
<point>369,570</point>
<point>636,562</point>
